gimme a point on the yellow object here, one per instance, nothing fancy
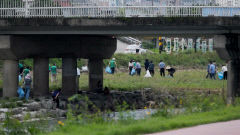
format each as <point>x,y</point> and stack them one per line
<point>145,107</point>
<point>180,101</point>
<point>148,113</point>
<point>160,41</point>
<point>61,123</point>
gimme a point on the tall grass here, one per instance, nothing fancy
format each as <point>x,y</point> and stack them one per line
<point>183,80</point>
<point>187,59</point>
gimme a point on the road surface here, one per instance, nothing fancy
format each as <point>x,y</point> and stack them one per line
<point>221,128</point>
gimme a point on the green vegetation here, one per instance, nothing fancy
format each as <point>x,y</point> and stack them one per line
<point>12,126</point>
<point>183,80</point>
<point>57,61</point>
<point>155,124</point>
<point>148,45</point>
<point>187,59</point>
<point>204,109</point>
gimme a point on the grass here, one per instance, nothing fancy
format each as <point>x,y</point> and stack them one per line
<point>151,125</point>
<point>186,59</point>
<point>183,80</point>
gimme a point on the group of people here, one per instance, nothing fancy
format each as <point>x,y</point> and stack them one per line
<point>212,70</point>
<point>25,77</point>
<point>135,67</point>
<point>162,67</point>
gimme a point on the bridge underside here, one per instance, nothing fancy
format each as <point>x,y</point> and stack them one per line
<point>43,47</point>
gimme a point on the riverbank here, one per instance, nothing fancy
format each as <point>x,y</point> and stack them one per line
<point>156,123</point>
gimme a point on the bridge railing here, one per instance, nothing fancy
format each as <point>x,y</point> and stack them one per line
<point>53,8</point>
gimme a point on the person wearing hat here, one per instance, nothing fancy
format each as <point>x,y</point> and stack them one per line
<point>27,84</point>
<point>170,70</point>
<point>112,65</point>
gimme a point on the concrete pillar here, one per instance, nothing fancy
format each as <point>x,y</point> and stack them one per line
<point>41,77</point>
<point>69,73</point>
<point>233,82</point>
<point>10,78</point>
<point>95,67</point>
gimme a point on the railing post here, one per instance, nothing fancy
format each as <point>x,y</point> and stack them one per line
<point>26,8</point>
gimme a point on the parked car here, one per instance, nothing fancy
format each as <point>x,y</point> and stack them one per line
<point>135,49</point>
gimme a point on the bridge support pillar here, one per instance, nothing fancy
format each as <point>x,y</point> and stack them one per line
<point>41,77</point>
<point>233,87</point>
<point>228,48</point>
<point>10,78</point>
<point>95,74</point>
<point>69,73</point>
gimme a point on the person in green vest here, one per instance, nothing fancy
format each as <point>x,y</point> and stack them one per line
<point>54,73</point>
<point>134,64</point>
<point>26,71</point>
<point>113,65</point>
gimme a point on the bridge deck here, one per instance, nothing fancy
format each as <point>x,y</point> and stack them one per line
<point>121,26</point>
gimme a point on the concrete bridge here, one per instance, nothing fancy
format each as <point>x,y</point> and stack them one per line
<point>93,38</point>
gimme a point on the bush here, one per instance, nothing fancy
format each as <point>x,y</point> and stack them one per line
<point>57,61</point>
<point>147,45</point>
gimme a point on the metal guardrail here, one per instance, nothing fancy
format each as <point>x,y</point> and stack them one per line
<point>130,40</point>
<point>59,8</point>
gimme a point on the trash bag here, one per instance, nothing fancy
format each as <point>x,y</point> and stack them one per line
<point>20,92</point>
<point>220,75</point>
<point>84,68</point>
<point>19,78</point>
<point>147,75</point>
<point>133,71</point>
<point>108,70</point>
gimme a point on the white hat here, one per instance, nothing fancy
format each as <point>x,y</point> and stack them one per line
<point>168,67</point>
<point>113,58</point>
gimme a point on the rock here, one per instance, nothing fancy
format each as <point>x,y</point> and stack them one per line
<point>4,110</point>
<point>61,113</point>
<point>2,116</point>
<point>63,104</point>
<point>34,106</point>
<point>47,104</point>
<point>57,113</point>
<point>15,111</point>
<point>20,117</point>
